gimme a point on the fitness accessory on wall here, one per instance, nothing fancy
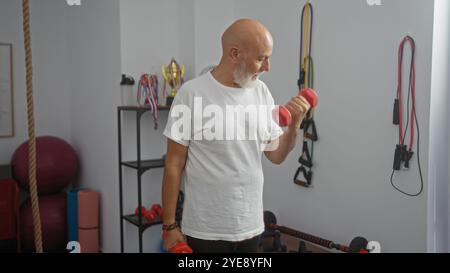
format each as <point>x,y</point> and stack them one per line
<point>306,80</point>
<point>403,153</point>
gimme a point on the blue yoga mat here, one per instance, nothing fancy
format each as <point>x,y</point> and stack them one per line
<point>72,214</point>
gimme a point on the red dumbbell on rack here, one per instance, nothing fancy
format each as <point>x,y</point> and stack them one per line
<point>149,215</point>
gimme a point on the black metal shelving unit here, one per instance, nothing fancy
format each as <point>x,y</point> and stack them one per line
<point>141,166</point>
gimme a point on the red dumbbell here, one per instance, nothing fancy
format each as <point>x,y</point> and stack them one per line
<point>140,210</point>
<point>282,114</point>
<point>151,214</point>
<point>157,209</point>
<point>182,247</point>
<point>147,214</point>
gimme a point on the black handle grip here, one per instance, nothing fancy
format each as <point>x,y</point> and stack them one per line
<point>398,157</point>
<point>396,119</point>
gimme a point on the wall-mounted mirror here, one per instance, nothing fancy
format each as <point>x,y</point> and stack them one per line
<point>6,91</point>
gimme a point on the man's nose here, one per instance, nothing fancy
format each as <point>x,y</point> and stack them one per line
<point>266,66</point>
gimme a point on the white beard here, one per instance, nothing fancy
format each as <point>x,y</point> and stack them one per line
<point>244,79</point>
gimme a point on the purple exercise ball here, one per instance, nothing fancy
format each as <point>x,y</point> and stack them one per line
<point>53,211</point>
<point>57,165</point>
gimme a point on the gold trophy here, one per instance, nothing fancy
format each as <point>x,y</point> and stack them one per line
<point>173,75</point>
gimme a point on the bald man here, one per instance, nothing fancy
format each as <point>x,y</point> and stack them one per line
<point>223,178</point>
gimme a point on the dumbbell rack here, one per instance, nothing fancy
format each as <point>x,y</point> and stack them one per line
<point>141,166</point>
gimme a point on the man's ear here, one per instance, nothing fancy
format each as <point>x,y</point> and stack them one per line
<point>234,54</point>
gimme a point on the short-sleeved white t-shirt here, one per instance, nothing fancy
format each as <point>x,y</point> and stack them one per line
<point>223,177</point>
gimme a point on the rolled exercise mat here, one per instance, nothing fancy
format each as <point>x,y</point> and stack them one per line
<point>88,211</point>
<point>72,214</point>
<point>88,239</point>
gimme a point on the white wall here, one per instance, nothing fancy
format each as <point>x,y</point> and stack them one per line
<point>438,205</point>
<point>51,92</point>
<point>93,36</point>
<point>152,33</point>
<point>211,20</point>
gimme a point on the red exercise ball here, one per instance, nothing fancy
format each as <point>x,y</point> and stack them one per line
<point>57,164</point>
<point>53,222</point>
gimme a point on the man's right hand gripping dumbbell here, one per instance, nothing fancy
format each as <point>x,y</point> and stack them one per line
<point>286,114</point>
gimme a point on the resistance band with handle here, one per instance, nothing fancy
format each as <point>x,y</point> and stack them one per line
<point>306,80</point>
<point>404,153</point>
